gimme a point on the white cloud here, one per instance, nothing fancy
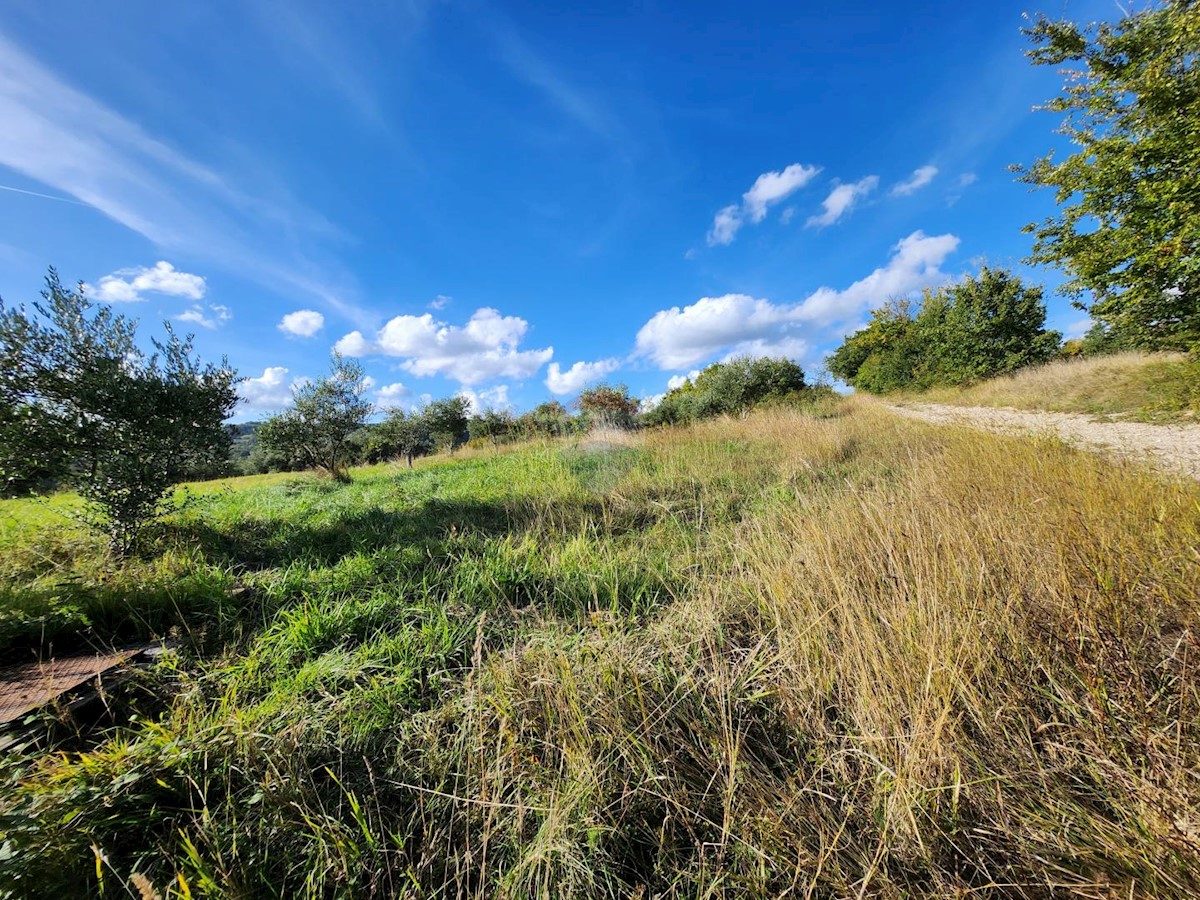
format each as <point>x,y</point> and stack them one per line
<point>787,215</point>
<point>439,302</point>
<point>737,324</point>
<point>768,189</point>
<point>919,178</point>
<point>771,187</point>
<point>678,381</point>
<point>129,285</point>
<point>491,398</point>
<point>213,317</point>
<point>676,338</point>
<point>1078,328</point>
<point>270,391</point>
<point>302,323</point>
<point>842,199</point>
<point>914,265</point>
<point>725,226</point>
<point>963,182</point>
<point>483,349</point>
<point>578,376</point>
<point>650,401</point>
<point>354,344</point>
<point>390,395</point>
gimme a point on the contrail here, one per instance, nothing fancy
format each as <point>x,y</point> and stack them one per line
<point>15,190</point>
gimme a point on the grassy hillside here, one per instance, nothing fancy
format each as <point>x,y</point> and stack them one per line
<point>778,656</point>
<point>1159,387</point>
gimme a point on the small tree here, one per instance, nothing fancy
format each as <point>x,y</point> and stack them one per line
<point>607,404</point>
<point>492,425</point>
<point>550,418</point>
<point>79,401</point>
<point>401,434</point>
<point>1128,225</point>
<point>447,421</point>
<point>315,432</point>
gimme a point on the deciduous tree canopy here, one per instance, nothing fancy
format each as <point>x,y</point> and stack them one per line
<point>978,328</point>
<point>80,402</point>
<point>1127,230</point>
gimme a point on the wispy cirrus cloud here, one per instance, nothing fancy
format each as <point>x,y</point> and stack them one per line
<point>914,182</point>
<point>71,142</point>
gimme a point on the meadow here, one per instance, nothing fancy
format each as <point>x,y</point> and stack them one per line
<point>822,653</point>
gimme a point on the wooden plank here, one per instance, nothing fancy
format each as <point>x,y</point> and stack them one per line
<point>26,687</point>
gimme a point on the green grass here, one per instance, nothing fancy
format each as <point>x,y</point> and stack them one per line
<point>1160,387</point>
<point>787,655</point>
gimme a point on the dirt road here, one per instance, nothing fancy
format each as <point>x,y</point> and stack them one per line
<point>1172,447</point>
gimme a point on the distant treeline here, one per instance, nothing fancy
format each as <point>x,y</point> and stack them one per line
<point>445,425</point>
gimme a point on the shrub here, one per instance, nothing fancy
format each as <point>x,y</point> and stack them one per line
<point>983,326</point>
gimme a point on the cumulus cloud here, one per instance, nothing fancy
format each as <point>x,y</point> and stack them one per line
<point>678,381</point>
<point>914,264</point>
<point>390,395</point>
<point>212,317</point>
<point>486,347</point>
<point>269,391</point>
<point>679,337</point>
<point>490,398</point>
<point>302,323</point>
<point>738,324</point>
<point>354,344</point>
<point>771,187</point>
<point>725,225</point>
<point>578,376</point>
<point>919,178</point>
<point>131,285</point>
<point>439,302</point>
<point>650,401</point>
<point>842,199</point>
<point>768,189</point>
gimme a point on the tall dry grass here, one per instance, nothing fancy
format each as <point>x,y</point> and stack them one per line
<point>1157,386</point>
<point>900,661</point>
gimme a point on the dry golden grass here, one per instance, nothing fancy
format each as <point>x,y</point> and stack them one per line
<point>903,661</point>
<point>1153,386</point>
<point>946,664</point>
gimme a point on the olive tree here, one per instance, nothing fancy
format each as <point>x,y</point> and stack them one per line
<point>315,431</point>
<point>81,403</point>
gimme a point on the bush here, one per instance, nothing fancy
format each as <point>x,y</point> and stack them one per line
<point>981,327</point>
<point>727,388</point>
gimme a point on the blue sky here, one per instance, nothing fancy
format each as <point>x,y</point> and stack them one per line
<point>515,200</point>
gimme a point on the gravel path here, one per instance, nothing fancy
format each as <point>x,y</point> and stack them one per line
<point>1174,447</point>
